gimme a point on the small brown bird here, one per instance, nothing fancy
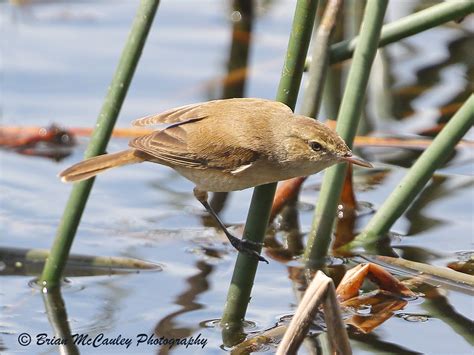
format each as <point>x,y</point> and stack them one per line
<point>228,145</point>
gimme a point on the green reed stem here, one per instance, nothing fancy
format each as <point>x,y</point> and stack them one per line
<point>347,121</point>
<point>418,175</point>
<point>12,256</point>
<point>56,262</point>
<point>412,24</point>
<point>245,269</point>
<point>319,66</point>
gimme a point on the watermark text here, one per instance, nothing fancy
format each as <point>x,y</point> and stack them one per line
<point>103,340</point>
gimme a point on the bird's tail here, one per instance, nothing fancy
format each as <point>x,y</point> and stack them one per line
<point>95,165</point>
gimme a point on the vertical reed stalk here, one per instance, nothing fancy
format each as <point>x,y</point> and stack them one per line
<point>348,118</point>
<point>408,26</point>
<point>319,64</point>
<point>243,277</point>
<point>56,261</point>
<point>236,78</point>
<point>419,174</point>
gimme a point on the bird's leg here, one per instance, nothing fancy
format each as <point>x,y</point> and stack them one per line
<point>245,246</point>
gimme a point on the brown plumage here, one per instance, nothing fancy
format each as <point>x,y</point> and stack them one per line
<point>227,145</point>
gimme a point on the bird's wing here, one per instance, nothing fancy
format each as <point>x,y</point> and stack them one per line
<point>170,147</point>
<point>203,109</point>
<point>174,115</point>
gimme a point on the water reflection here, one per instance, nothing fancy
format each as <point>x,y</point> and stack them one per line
<point>58,318</point>
<point>169,326</point>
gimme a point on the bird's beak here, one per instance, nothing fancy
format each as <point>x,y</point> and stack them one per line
<point>357,161</point>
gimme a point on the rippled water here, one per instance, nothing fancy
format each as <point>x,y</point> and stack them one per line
<point>58,59</point>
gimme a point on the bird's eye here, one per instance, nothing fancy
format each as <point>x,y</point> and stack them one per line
<point>316,146</point>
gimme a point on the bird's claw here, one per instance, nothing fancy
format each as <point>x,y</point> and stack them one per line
<point>247,246</point>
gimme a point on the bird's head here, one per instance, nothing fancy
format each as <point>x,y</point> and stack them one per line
<point>311,141</point>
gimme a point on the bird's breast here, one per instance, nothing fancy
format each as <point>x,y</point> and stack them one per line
<point>259,173</point>
<point>216,180</point>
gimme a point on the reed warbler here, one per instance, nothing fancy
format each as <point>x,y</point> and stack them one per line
<point>228,145</point>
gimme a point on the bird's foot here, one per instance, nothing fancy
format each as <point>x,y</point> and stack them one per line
<point>246,246</point>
